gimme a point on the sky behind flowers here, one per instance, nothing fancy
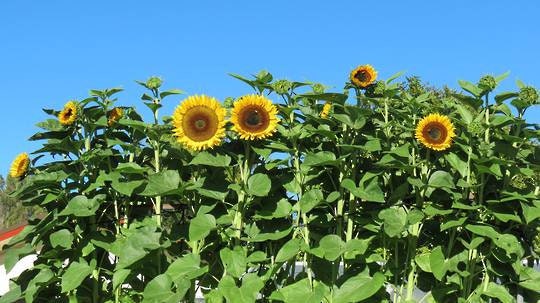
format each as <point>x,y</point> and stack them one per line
<point>55,51</point>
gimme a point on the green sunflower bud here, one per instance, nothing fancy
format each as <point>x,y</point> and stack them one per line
<point>487,83</point>
<point>228,103</point>
<point>264,76</point>
<point>318,88</point>
<point>376,89</point>
<point>282,86</point>
<point>536,242</point>
<point>476,128</point>
<point>529,95</point>
<point>154,82</point>
<point>519,181</point>
<point>415,86</point>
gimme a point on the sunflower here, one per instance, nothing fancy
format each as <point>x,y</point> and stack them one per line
<point>114,115</point>
<point>199,122</point>
<point>19,166</point>
<point>363,76</point>
<point>326,110</point>
<point>435,131</point>
<point>68,115</point>
<point>254,117</point>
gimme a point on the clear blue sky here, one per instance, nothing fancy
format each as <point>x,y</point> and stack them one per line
<point>53,51</point>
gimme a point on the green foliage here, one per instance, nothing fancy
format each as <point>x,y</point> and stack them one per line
<point>346,208</point>
<point>12,210</point>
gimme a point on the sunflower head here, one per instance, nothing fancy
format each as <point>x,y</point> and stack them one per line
<point>68,115</point>
<point>326,110</point>
<point>114,115</point>
<point>19,166</point>
<point>199,122</point>
<point>254,117</point>
<point>363,76</point>
<point>435,131</point>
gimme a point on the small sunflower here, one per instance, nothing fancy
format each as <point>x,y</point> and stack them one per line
<point>326,110</point>
<point>435,131</point>
<point>19,166</point>
<point>68,115</point>
<point>114,115</point>
<point>363,76</point>
<point>199,122</point>
<point>254,117</point>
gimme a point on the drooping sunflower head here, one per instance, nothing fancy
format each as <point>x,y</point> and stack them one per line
<point>435,131</point>
<point>199,122</point>
<point>68,115</point>
<point>19,166</point>
<point>114,115</point>
<point>326,110</point>
<point>254,117</point>
<point>363,76</point>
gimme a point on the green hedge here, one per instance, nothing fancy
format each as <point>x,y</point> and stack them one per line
<point>375,191</point>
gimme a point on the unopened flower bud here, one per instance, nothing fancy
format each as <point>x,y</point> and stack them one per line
<point>228,103</point>
<point>318,88</point>
<point>487,83</point>
<point>154,82</point>
<point>282,86</point>
<point>528,95</point>
<point>376,89</point>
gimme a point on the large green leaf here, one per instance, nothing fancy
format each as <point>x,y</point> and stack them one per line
<point>394,221</point>
<point>471,88</point>
<point>162,183</point>
<point>358,288</point>
<point>138,244</point>
<point>437,263</point>
<point>288,250</point>
<point>310,199</point>
<point>247,293</point>
<point>259,185</point>
<point>62,238</point>
<point>330,247</point>
<point>206,158</point>
<point>201,226</point>
<point>81,206</point>
<point>159,290</point>
<point>301,291</point>
<point>499,292</point>
<point>320,158</point>
<point>234,260</point>
<point>75,274</point>
<point>441,179</point>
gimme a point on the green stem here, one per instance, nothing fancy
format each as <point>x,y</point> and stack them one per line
<point>486,137</point>
<point>245,171</point>
<point>95,272</point>
<point>157,206</point>
<point>411,282</point>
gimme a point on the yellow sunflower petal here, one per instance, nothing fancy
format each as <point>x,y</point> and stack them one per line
<point>435,131</point>
<point>19,166</point>
<point>114,115</point>
<point>326,110</point>
<point>68,115</point>
<point>363,75</point>
<point>199,122</point>
<point>254,117</point>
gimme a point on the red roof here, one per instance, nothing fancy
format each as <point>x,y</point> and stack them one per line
<point>11,232</point>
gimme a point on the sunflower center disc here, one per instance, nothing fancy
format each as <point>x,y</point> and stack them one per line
<point>200,124</point>
<point>362,76</point>
<point>254,118</point>
<point>434,133</point>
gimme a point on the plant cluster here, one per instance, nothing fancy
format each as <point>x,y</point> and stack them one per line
<point>357,196</point>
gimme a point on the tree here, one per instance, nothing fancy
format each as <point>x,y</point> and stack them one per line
<point>12,211</point>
